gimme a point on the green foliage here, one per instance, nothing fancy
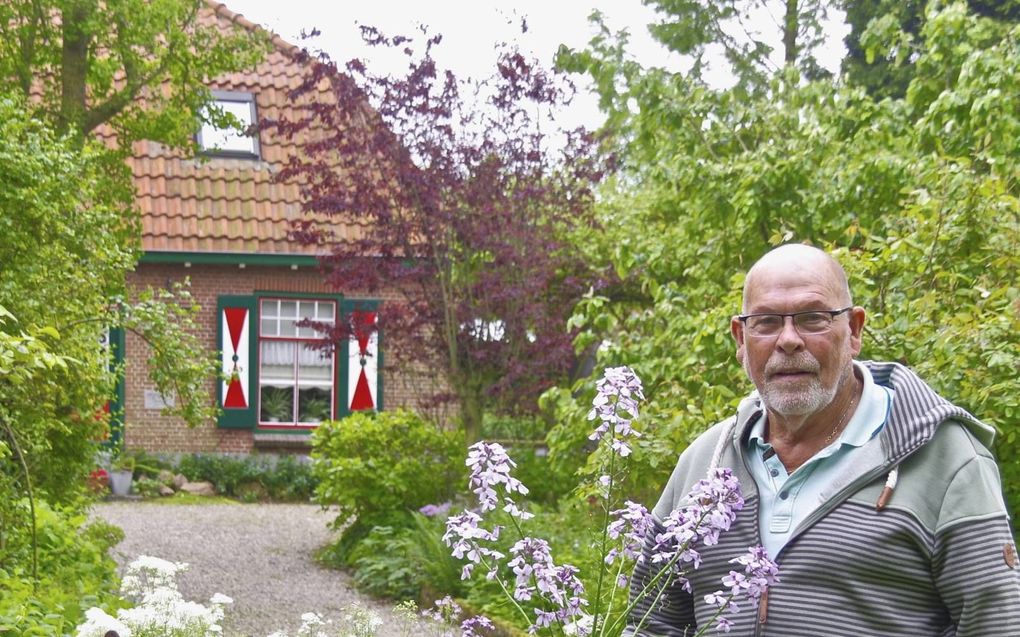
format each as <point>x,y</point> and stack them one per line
<point>700,29</point>
<point>75,570</point>
<point>372,464</point>
<point>918,197</point>
<point>883,40</point>
<point>284,478</point>
<point>86,63</point>
<point>524,437</point>
<point>179,363</point>
<point>411,562</point>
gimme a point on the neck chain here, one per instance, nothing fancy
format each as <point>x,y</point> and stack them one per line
<point>840,423</point>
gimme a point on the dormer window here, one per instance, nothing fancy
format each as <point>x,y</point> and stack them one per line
<point>229,141</point>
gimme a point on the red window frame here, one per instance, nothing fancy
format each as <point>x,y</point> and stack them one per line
<point>263,337</point>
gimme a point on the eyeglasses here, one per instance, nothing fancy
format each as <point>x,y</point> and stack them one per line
<point>809,322</point>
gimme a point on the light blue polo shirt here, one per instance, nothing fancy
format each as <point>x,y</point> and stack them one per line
<point>786,499</point>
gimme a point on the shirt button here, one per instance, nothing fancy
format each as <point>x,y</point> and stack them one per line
<point>783,495</point>
<point>774,472</point>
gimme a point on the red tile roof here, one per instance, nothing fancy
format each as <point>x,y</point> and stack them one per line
<point>225,205</point>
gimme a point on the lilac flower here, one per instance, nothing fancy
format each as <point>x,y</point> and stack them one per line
<point>490,466</point>
<point>435,510</point>
<point>633,523</point>
<point>529,554</point>
<point>615,406</point>
<point>444,611</point>
<point>760,572</point>
<point>711,508</point>
<point>462,536</point>
<point>536,572</point>
<point>469,626</point>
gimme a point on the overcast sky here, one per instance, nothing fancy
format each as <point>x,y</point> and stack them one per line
<point>471,29</point>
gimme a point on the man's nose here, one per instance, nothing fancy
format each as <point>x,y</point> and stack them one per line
<point>789,339</point>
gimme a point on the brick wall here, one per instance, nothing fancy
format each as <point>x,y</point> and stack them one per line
<point>147,429</point>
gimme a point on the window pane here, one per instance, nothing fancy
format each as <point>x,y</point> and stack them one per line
<point>277,404</point>
<point>324,312</point>
<point>314,404</point>
<point>270,309</point>
<point>287,328</point>
<point>288,309</point>
<point>276,362</point>
<point>315,368</point>
<point>268,326</point>
<point>230,139</point>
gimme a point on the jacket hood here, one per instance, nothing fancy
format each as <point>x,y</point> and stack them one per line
<point>917,411</point>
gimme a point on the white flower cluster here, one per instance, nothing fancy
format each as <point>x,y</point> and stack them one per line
<point>160,609</point>
<point>357,622</point>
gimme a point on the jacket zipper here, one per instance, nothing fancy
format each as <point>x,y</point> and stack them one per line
<point>832,503</point>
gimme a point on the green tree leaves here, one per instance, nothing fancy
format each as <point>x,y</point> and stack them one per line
<point>918,197</point>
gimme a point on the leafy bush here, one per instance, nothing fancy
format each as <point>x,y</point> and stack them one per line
<point>407,563</point>
<point>74,570</point>
<point>284,478</point>
<point>502,427</point>
<point>372,466</point>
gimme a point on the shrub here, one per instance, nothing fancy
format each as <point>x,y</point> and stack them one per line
<point>371,466</point>
<point>407,563</point>
<point>284,478</point>
<point>74,572</point>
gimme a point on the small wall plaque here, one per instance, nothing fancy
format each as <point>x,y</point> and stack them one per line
<point>156,400</point>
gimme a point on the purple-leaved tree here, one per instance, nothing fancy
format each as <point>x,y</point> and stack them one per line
<point>450,196</point>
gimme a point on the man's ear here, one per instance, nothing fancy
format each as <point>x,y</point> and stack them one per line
<point>857,318</point>
<point>737,330</point>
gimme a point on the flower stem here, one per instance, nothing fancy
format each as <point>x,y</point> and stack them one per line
<point>607,506</point>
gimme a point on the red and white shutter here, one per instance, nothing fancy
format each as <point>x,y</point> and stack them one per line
<point>236,323</point>
<point>236,317</point>
<point>363,362</point>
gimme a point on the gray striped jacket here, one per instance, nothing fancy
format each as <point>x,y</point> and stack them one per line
<point>937,560</point>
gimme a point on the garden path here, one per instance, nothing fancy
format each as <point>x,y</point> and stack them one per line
<point>258,554</point>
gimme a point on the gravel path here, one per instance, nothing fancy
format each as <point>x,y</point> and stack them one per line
<point>258,554</point>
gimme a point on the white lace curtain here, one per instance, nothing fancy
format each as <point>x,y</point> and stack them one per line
<point>276,359</point>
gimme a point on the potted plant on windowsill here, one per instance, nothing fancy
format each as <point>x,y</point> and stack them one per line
<point>276,404</point>
<point>315,409</point>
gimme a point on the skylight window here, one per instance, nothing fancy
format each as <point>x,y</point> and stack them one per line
<point>229,141</point>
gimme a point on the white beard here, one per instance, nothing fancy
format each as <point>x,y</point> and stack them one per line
<point>794,401</point>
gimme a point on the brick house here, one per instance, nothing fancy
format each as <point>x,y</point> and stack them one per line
<point>222,222</point>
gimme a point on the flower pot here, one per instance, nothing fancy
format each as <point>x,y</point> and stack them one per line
<point>120,482</point>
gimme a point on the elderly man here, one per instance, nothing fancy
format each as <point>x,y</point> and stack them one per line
<point>878,499</point>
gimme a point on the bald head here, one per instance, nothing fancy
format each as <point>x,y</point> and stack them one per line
<point>795,260</point>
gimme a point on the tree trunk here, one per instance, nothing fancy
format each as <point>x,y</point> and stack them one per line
<point>74,64</point>
<point>791,24</point>
<point>471,414</point>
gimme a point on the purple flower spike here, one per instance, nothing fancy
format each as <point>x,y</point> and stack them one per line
<point>445,610</point>
<point>615,406</point>
<point>462,536</point>
<point>470,627</point>
<point>435,510</point>
<point>632,522</point>
<point>760,572</point>
<point>490,466</point>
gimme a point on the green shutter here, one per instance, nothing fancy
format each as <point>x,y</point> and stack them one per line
<point>117,342</point>
<point>237,322</point>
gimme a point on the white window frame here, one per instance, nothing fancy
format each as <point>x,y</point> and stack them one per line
<point>227,99</point>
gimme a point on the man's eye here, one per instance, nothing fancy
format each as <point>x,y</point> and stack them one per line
<point>766,323</point>
<point>815,319</point>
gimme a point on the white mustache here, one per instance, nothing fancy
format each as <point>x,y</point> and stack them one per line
<point>802,362</point>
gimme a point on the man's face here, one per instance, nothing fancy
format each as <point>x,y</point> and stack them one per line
<point>798,375</point>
